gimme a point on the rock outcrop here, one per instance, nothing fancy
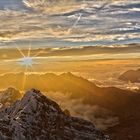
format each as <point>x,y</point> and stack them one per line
<point>35,117</point>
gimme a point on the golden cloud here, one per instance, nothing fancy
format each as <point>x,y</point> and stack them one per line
<point>53,6</point>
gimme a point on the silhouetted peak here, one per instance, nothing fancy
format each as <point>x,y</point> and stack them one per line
<point>131,75</point>
<point>68,74</point>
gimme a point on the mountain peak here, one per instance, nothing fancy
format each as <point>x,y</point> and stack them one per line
<point>9,95</point>
<point>131,75</point>
<point>69,74</point>
<point>39,118</point>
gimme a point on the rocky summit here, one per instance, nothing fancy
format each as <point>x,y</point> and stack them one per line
<point>35,117</point>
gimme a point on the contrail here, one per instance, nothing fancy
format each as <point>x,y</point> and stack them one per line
<point>75,23</point>
<point>70,29</point>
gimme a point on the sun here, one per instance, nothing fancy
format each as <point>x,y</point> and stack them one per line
<point>26,61</point>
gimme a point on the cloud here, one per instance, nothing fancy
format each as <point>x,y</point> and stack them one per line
<point>73,53</point>
<point>91,50</point>
<point>101,117</point>
<point>69,23</point>
<point>53,6</point>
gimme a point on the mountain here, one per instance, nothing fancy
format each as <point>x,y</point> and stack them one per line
<point>66,82</point>
<point>35,117</point>
<point>9,96</point>
<point>69,83</point>
<point>131,75</point>
<point>123,104</point>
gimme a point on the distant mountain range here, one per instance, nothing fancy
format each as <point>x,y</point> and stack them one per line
<point>35,117</point>
<point>131,75</point>
<point>124,104</point>
<point>69,83</point>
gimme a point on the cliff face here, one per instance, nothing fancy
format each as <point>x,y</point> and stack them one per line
<point>35,117</point>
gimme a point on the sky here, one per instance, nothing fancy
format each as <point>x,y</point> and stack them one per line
<point>75,27</point>
<point>92,38</point>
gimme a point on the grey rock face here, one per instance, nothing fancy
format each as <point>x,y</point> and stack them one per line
<point>35,117</point>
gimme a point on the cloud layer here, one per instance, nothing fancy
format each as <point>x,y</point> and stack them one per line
<point>72,53</point>
<point>53,6</point>
<point>69,23</point>
<point>101,117</point>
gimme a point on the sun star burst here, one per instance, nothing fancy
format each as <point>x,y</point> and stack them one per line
<point>26,61</point>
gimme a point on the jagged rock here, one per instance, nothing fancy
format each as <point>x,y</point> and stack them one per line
<point>35,117</point>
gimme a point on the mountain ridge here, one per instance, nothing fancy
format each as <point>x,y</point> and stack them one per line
<point>39,118</point>
<point>122,104</point>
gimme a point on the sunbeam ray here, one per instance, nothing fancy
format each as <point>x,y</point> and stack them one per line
<point>42,82</point>
<point>24,79</point>
<point>38,53</point>
<point>17,47</point>
<point>29,50</point>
